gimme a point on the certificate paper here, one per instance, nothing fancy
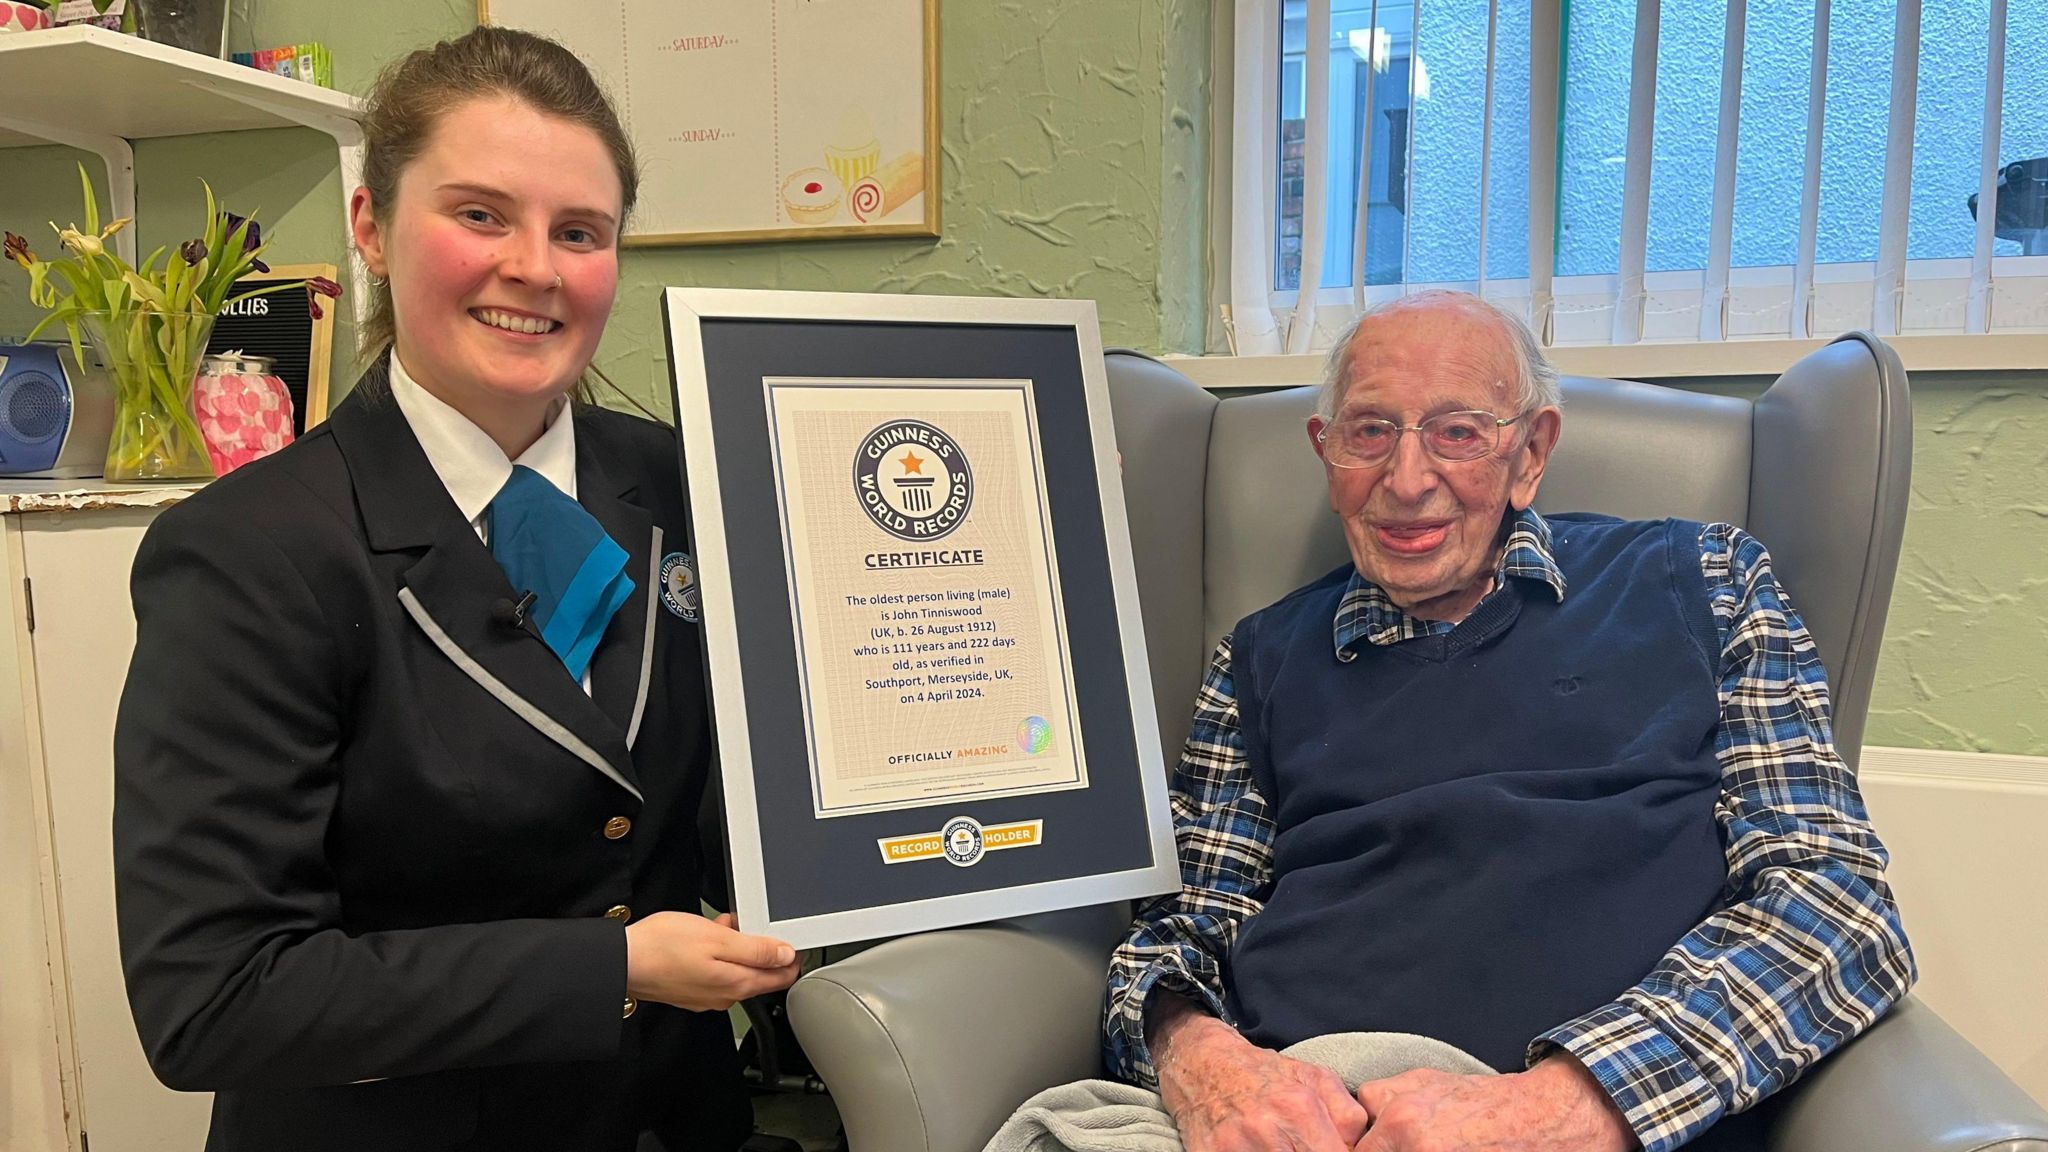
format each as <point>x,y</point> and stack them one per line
<point>932,651</point>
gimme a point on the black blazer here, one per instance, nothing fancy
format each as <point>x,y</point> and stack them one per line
<point>370,863</point>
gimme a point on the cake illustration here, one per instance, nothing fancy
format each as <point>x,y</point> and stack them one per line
<point>811,196</point>
<point>891,186</point>
<point>854,151</point>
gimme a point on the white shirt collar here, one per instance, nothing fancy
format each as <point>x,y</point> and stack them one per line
<point>470,463</point>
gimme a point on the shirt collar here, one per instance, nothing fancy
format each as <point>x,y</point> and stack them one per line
<point>1365,612</point>
<point>470,464</point>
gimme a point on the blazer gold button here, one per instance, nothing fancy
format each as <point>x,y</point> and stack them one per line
<point>617,827</point>
<point>618,912</point>
<point>631,1006</point>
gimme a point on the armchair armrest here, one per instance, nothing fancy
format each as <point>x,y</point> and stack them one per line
<point>929,1042</point>
<point>1910,1083</point>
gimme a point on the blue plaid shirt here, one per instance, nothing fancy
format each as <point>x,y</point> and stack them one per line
<point>1805,952</point>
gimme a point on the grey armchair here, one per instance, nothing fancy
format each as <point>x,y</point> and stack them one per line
<point>1227,514</point>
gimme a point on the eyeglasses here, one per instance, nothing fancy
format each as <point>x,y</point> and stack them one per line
<point>1452,437</point>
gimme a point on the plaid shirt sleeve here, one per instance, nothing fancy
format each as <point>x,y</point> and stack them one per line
<point>1807,950</point>
<point>1179,941</point>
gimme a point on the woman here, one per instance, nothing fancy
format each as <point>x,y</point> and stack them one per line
<point>411,755</point>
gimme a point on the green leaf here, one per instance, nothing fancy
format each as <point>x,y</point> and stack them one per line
<point>81,284</point>
<point>226,248</point>
<point>145,291</point>
<point>92,203</point>
<point>285,286</point>
<point>193,284</point>
<point>212,236</point>
<point>175,283</point>
<point>40,292</point>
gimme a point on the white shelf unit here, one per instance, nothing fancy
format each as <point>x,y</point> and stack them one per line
<point>95,90</point>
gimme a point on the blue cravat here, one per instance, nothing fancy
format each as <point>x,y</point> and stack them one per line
<point>549,546</point>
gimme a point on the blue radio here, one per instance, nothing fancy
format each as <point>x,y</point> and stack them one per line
<point>54,419</point>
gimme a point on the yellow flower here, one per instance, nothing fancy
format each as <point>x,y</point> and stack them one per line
<point>80,242</point>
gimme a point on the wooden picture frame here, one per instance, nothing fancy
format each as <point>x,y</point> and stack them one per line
<point>691,83</point>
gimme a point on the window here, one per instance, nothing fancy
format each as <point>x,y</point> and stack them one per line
<point>1393,142</point>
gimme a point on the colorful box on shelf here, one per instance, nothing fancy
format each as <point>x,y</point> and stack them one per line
<point>309,62</point>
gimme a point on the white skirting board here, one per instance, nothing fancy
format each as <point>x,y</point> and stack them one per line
<point>1966,832</point>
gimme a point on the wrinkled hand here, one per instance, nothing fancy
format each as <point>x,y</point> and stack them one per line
<point>1228,1095</point>
<point>1556,1106</point>
<point>703,965</point>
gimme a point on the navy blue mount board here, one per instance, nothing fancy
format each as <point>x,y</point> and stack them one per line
<point>820,866</point>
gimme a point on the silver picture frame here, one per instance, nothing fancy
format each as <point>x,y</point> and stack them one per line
<point>910,333</point>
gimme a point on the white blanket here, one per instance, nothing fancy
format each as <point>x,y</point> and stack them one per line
<point>1105,1116</point>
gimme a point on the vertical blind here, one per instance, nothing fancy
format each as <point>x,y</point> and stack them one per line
<point>1710,301</point>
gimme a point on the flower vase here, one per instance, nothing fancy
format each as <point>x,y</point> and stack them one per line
<point>151,359</point>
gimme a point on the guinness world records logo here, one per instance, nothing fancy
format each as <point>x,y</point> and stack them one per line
<point>912,480</point>
<point>679,591</point>
<point>961,840</point>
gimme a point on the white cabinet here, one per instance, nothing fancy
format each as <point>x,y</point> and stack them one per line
<point>69,1058</point>
<point>70,1062</point>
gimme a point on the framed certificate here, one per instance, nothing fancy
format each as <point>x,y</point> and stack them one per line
<point>920,615</point>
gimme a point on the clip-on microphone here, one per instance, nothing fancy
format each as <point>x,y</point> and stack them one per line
<point>513,615</point>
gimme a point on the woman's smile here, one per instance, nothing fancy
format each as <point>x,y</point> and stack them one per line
<point>516,323</point>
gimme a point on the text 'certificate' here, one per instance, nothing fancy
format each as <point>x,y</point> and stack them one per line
<point>932,652</point>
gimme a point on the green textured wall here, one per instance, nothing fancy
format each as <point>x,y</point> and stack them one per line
<point>1964,663</point>
<point>1074,157</point>
<point>1965,657</point>
<point>1184,179</point>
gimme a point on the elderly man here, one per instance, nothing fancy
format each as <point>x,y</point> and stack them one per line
<point>1557,791</point>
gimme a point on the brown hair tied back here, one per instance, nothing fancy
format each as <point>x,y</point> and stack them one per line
<point>412,94</point>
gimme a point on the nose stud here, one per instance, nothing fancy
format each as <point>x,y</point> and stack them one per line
<point>558,280</point>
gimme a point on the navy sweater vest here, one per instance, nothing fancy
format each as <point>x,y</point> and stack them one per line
<point>1484,834</point>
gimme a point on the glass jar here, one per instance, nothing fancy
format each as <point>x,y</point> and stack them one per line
<point>244,408</point>
<point>19,17</point>
<point>195,25</point>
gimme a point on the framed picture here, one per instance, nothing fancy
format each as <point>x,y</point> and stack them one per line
<point>281,328</point>
<point>920,616</point>
<point>758,120</point>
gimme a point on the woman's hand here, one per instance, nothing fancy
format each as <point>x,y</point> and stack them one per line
<point>703,965</point>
